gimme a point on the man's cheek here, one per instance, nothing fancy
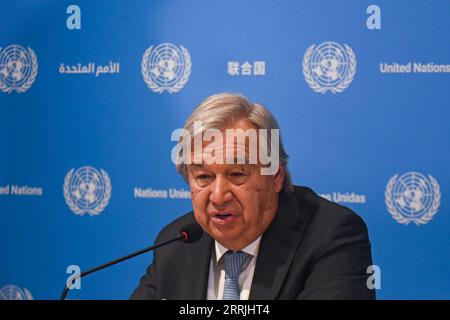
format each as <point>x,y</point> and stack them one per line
<point>194,193</point>
<point>199,199</point>
<point>199,194</point>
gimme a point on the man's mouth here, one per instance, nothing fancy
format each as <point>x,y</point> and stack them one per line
<point>223,218</point>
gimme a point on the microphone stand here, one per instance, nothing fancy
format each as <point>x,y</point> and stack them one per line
<point>181,236</point>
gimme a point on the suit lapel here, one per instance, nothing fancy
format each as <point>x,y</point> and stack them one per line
<point>197,263</point>
<point>277,249</point>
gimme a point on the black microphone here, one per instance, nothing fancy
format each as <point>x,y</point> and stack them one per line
<point>188,234</point>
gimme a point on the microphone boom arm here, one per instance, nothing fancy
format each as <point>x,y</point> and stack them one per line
<point>181,236</point>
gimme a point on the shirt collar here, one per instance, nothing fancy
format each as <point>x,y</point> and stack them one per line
<point>251,249</point>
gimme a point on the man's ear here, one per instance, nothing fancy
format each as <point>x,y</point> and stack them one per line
<point>278,179</point>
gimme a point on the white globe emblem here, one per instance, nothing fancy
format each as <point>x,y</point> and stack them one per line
<point>87,190</point>
<point>166,67</point>
<point>12,292</point>
<point>412,197</point>
<point>329,67</point>
<point>18,68</point>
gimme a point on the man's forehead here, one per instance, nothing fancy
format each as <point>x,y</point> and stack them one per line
<point>227,147</point>
<point>230,156</point>
<point>242,143</point>
<point>203,165</point>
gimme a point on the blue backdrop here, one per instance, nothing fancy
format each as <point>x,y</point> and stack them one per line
<point>91,93</point>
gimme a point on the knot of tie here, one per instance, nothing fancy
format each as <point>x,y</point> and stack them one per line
<point>234,261</point>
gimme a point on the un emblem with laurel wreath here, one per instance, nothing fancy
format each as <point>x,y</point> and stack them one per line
<point>12,292</point>
<point>166,67</point>
<point>329,67</point>
<point>18,68</point>
<point>87,190</point>
<point>412,197</point>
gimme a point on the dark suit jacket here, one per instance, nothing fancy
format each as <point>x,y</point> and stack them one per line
<point>314,249</point>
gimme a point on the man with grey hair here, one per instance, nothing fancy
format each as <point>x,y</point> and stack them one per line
<point>263,237</point>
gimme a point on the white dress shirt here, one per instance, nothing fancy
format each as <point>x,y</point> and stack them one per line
<point>216,277</point>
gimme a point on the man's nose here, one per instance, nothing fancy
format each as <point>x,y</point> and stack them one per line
<point>221,192</point>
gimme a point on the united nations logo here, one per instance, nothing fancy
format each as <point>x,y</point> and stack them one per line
<point>87,190</point>
<point>413,198</point>
<point>18,68</point>
<point>329,67</point>
<point>11,292</point>
<point>166,67</point>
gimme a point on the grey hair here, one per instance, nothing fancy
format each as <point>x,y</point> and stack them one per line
<point>222,109</point>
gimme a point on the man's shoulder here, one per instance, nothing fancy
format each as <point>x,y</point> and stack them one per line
<point>305,196</point>
<point>324,212</point>
<point>173,228</point>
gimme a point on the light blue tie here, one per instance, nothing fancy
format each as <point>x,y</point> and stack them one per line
<point>234,261</point>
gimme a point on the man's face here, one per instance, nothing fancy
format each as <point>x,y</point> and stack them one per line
<point>234,203</point>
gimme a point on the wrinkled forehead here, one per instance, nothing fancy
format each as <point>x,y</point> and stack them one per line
<point>237,151</point>
<point>239,143</point>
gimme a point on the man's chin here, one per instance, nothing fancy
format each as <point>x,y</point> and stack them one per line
<point>224,234</point>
